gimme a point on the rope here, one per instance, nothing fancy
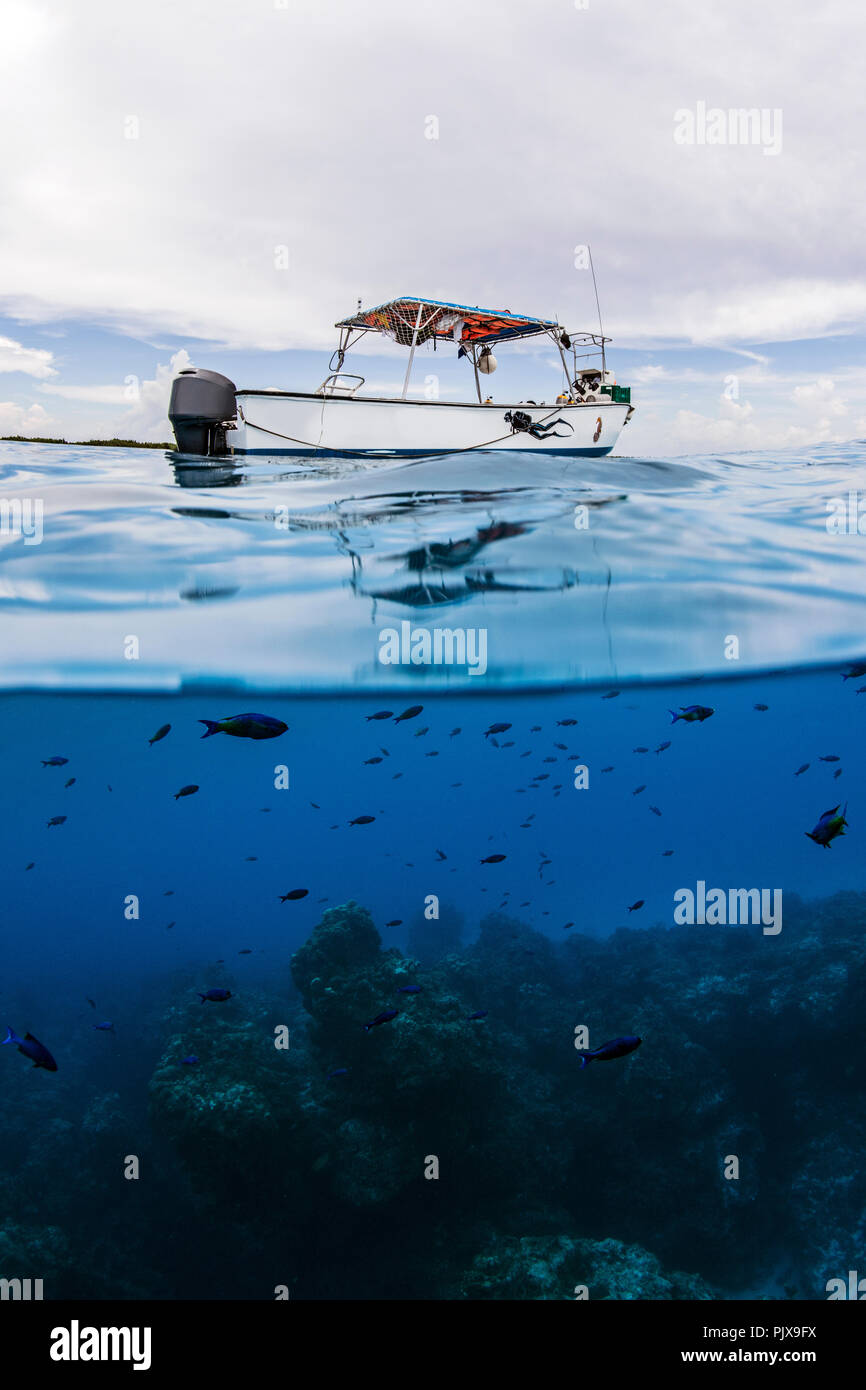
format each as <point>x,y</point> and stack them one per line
<point>437,453</point>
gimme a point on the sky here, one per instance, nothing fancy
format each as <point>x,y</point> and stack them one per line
<point>217,182</point>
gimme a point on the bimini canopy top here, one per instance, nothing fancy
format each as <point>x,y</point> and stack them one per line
<point>456,323</point>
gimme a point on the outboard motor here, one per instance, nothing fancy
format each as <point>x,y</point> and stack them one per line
<point>202,404</point>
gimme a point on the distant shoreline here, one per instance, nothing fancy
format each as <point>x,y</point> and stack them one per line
<point>77,443</point>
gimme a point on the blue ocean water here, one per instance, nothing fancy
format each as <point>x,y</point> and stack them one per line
<point>536,874</point>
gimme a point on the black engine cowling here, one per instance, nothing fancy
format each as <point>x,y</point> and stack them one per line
<point>201,405</point>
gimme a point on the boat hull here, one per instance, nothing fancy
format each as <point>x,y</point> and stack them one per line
<point>289,422</point>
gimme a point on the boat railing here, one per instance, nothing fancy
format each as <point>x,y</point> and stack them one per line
<point>333,384</point>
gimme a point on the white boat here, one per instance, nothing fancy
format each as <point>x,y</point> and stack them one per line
<point>210,416</point>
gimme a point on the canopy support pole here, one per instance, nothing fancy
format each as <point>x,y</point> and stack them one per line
<point>557,339</point>
<point>475,365</point>
<point>412,353</point>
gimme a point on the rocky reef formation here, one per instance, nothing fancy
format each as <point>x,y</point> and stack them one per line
<point>556,1267</point>
<point>727,1146</point>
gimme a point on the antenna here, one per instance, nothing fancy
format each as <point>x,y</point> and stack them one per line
<point>598,307</point>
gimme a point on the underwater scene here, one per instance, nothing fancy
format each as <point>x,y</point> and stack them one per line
<point>377,977</point>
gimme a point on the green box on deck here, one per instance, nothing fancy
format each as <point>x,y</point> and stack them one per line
<point>621,394</point>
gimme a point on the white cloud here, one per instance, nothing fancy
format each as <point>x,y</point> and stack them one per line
<point>24,419</point>
<point>99,395</point>
<point>304,127</point>
<point>14,357</point>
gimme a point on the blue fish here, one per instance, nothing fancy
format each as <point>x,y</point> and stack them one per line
<point>409,989</point>
<point>216,996</point>
<point>384,1017</point>
<point>617,1047</point>
<point>32,1048</point>
<point>829,827</point>
<point>103,1027</point>
<point>479,1013</point>
<point>691,712</point>
<point>245,726</point>
<point>341,1071</point>
<point>189,1061</point>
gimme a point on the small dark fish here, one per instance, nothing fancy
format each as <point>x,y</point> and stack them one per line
<point>189,1061</point>
<point>70,783</point>
<point>409,989</point>
<point>441,856</point>
<point>829,827</point>
<point>690,713</point>
<point>640,750</point>
<point>362,820</point>
<point>455,732</point>
<point>169,893</point>
<point>315,805</point>
<point>607,769</point>
<point>662,746</point>
<point>493,859</point>
<point>54,762</point>
<point>566,723</point>
<point>31,865</point>
<point>381,714</point>
<point>496,729</point>
<point>563,747</point>
<point>245,726</point>
<point>858,669</point>
<point>245,952</point>
<point>861,690</point>
<point>479,1013</point>
<point>251,859</point>
<point>828,758</point>
<point>762,708</point>
<point>215,996</point>
<point>396,922</point>
<point>383,751</point>
<point>341,1071</point>
<point>637,791</point>
<point>189,790</point>
<point>369,761</point>
<point>169,926</point>
<point>634,907</point>
<point>384,1017</point>
<point>31,1047</point>
<point>294,895</point>
<point>655,810</point>
<point>103,1027</point>
<point>611,695</point>
<point>411,713</point>
<point>804,767</point>
<point>617,1047</point>
<point>666,853</point>
<point>536,729</point>
<point>57,820</point>
<point>566,925</point>
<point>434,753</point>
<point>838,772</point>
<point>160,733</point>
<point>91,1002</point>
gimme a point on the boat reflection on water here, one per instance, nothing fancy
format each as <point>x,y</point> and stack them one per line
<point>437,571</point>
